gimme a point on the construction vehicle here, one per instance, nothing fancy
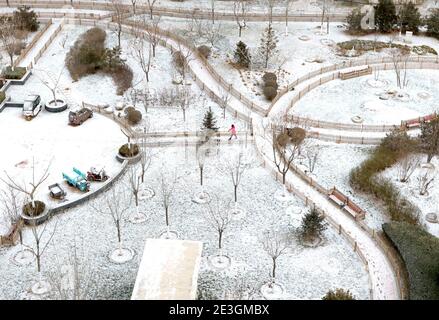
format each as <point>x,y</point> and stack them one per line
<point>77,179</point>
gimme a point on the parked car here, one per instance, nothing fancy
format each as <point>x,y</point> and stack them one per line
<point>32,106</point>
<point>77,118</point>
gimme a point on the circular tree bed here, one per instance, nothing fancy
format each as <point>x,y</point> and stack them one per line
<point>35,213</point>
<point>129,152</point>
<point>56,106</point>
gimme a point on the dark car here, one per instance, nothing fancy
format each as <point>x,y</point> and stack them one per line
<point>76,118</point>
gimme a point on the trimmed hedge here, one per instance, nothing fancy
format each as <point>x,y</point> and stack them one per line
<point>420,252</point>
<point>15,74</point>
<point>364,178</point>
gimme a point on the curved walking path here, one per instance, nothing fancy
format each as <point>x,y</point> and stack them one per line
<point>382,276</point>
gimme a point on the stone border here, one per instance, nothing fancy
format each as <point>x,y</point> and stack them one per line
<point>61,108</point>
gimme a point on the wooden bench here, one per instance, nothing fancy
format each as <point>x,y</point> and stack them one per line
<point>347,205</point>
<point>358,72</point>
<point>413,123</point>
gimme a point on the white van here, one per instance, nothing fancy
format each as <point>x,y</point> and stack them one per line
<point>32,106</point>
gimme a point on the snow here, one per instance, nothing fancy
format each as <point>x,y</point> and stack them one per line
<point>340,100</point>
<point>314,271</point>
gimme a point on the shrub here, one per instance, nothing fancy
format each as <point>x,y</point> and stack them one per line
<point>133,116</point>
<point>270,93</point>
<point>420,253</point>
<point>25,19</point>
<point>354,21</point>
<point>385,15</point>
<point>312,225</point>
<point>178,59</point>
<point>2,96</point>
<point>15,74</point>
<point>269,76</point>
<point>126,151</point>
<point>123,78</point>
<point>204,51</point>
<point>393,147</point>
<point>433,23</point>
<point>271,83</point>
<point>338,294</point>
<point>297,135</point>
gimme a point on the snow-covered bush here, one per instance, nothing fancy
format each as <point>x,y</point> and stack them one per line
<point>26,19</point>
<point>133,116</point>
<point>313,224</point>
<point>204,51</point>
<point>338,294</point>
<point>123,78</point>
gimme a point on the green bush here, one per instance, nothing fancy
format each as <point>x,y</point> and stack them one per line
<point>385,15</point>
<point>313,224</point>
<point>126,151</point>
<point>25,19</point>
<point>338,294</point>
<point>420,253</point>
<point>393,147</point>
<point>354,21</point>
<point>2,96</point>
<point>433,23</point>
<point>15,74</point>
<point>410,17</point>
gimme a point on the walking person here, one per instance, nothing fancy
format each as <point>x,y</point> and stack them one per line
<point>232,131</point>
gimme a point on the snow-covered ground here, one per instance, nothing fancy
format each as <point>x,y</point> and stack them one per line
<point>340,100</point>
<point>294,58</point>
<point>305,273</point>
<point>334,163</point>
<point>426,203</point>
<point>48,139</point>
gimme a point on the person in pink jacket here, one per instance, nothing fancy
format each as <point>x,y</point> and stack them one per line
<point>232,131</point>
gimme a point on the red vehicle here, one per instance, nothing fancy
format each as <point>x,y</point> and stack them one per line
<point>95,175</point>
<point>76,118</point>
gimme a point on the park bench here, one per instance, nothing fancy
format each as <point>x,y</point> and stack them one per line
<point>357,72</point>
<point>413,123</point>
<point>347,205</point>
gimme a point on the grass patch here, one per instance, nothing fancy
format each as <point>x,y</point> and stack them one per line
<point>420,252</point>
<point>15,74</point>
<point>2,96</point>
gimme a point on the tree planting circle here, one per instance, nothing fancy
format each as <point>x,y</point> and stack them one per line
<point>357,119</point>
<point>23,257</point>
<point>219,262</point>
<point>283,196</point>
<point>304,38</point>
<point>432,217</point>
<point>237,213</point>
<point>272,291</point>
<point>377,83</point>
<point>137,217</point>
<point>146,193</point>
<point>315,242</point>
<point>201,198</point>
<point>121,255</point>
<point>41,287</point>
<point>424,95</point>
<point>169,235</point>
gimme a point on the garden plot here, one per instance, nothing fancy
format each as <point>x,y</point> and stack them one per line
<point>48,139</point>
<point>99,89</point>
<point>427,203</point>
<point>333,165</point>
<point>302,51</point>
<point>305,273</point>
<point>375,102</point>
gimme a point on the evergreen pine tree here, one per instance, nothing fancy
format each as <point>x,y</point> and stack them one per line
<point>312,225</point>
<point>209,121</point>
<point>409,17</point>
<point>268,44</point>
<point>433,23</point>
<point>242,56</point>
<point>354,21</point>
<point>385,15</point>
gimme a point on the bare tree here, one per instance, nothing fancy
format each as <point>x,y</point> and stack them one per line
<point>201,158</point>
<point>50,81</point>
<point>115,204</point>
<point>145,155</point>
<point>182,58</point>
<point>10,38</point>
<point>167,188</point>
<point>224,99</point>
<point>118,17</point>
<point>326,7</point>
<point>218,219</point>
<point>212,33</point>
<point>34,185</point>
<point>425,179</point>
<point>141,51</point>
<point>407,166</point>
<point>285,149</point>
<point>41,238</point>
<point>400,61</point>
<point>12,208</point>
<point>287,4</point>
<point>312,154</point>
<point>275,244</point>
<point>235,164</point>
<point>183,99</point>
<point>240,12</point>
<point>151,4</point>
<point>212,10</point>
<point>133,4</point>
<point>71,277</point>
<point>153,33</point>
